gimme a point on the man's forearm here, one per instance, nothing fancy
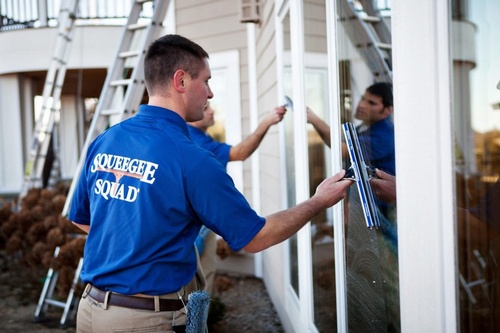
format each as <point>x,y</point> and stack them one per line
<point>83,227</point>
<point>282,225</point>
<point>323,130</point>
<point>249,145</point>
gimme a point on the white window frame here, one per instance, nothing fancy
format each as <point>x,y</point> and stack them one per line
<point>423,130</point>
<point>297,308</point>
<point>226,65</point>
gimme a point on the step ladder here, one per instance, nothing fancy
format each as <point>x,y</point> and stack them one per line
<point>124,86</point>
<point>41,155</point>
<point>69,306</point>
<point>369,32</point>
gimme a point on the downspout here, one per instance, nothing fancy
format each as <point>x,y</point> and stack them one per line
<point>254,122</point>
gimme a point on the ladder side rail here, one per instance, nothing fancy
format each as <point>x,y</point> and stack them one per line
<point>71,295</point>
<point>115,70</point>
<point>364,41</point>
<point>49,127</point>
<point>381,27</point>
<point>45,292</point>
<point>136,87</point>
<point>44,123</point>
<point>48,288</point>
<point>66,24</point>
<point>58,61</point>
<point>380,57</point>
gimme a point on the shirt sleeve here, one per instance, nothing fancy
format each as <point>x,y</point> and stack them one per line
<point>219,205</point>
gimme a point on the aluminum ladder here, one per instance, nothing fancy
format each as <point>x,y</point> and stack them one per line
<point>70,305</point>
<point>42,155</point>
<point>370,34</point>
<point>124,86</point>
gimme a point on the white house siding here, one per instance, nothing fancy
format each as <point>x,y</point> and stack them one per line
<point>270,171</point>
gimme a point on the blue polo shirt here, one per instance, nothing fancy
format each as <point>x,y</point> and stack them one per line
<point>220,149</point>
<point>378,144</point>
<point>145,190</point>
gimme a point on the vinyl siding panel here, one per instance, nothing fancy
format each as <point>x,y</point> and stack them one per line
<point>270,173</point>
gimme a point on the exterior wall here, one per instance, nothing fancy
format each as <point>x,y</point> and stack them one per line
<point>92,47</point>
<point>216,27</point>
<point>271,174</point>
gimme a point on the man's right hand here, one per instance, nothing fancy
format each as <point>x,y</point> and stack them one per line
<point>333,189</point>
<point>276,115</point>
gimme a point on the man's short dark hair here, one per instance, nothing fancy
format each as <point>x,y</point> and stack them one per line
<point>384,90</point>
<point>168,54</point>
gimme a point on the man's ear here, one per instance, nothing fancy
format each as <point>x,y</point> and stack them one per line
<point>388,110</point>
<point>178,81</point>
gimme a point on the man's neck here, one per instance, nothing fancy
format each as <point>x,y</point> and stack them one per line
<point>166,103</point>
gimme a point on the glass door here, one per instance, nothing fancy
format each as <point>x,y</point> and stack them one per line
<point>365,100</point>
<point>476,123</point>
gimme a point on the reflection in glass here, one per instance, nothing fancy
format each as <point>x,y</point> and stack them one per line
<point>316,95</point>
<point>322,225</point>
<point>290,155</point>
<point>476,117</point>
<point>290,174</point>
<point>371,254</point>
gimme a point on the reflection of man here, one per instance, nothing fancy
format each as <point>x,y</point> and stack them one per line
<point>205,241</point>
<point>376,133</point>
<point>384,186</point>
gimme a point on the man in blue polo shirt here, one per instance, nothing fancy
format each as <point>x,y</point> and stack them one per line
<point>146,189</point>
<point>198,130</point>
<point>376,131</point>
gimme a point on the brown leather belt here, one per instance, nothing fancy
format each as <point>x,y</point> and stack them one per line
<point>134,302</point>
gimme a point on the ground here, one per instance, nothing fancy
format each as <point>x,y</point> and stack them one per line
<point>241,303</point>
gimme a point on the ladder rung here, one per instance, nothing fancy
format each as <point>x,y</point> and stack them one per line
<point>108,112</point>
<point>384,46</point>
<point>129,54</point>
<point>370,19</point>
<point>137,26</point>
<point>55,303</point>
<point>116,83</point>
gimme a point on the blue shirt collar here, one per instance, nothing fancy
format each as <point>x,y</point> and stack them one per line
<point>160,113</point>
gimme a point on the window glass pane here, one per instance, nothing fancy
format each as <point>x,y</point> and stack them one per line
<point>316,95</point>
<point>323,269</point>
<point>475,32</point>
<point>290,154</point>
<point>366,102</point>
<point>290,175</point>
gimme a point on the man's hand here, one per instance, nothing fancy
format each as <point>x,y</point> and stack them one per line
<point>333,189</point>
<point>276,115</point>
<point>282,225</point>
<point>384,186</point>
